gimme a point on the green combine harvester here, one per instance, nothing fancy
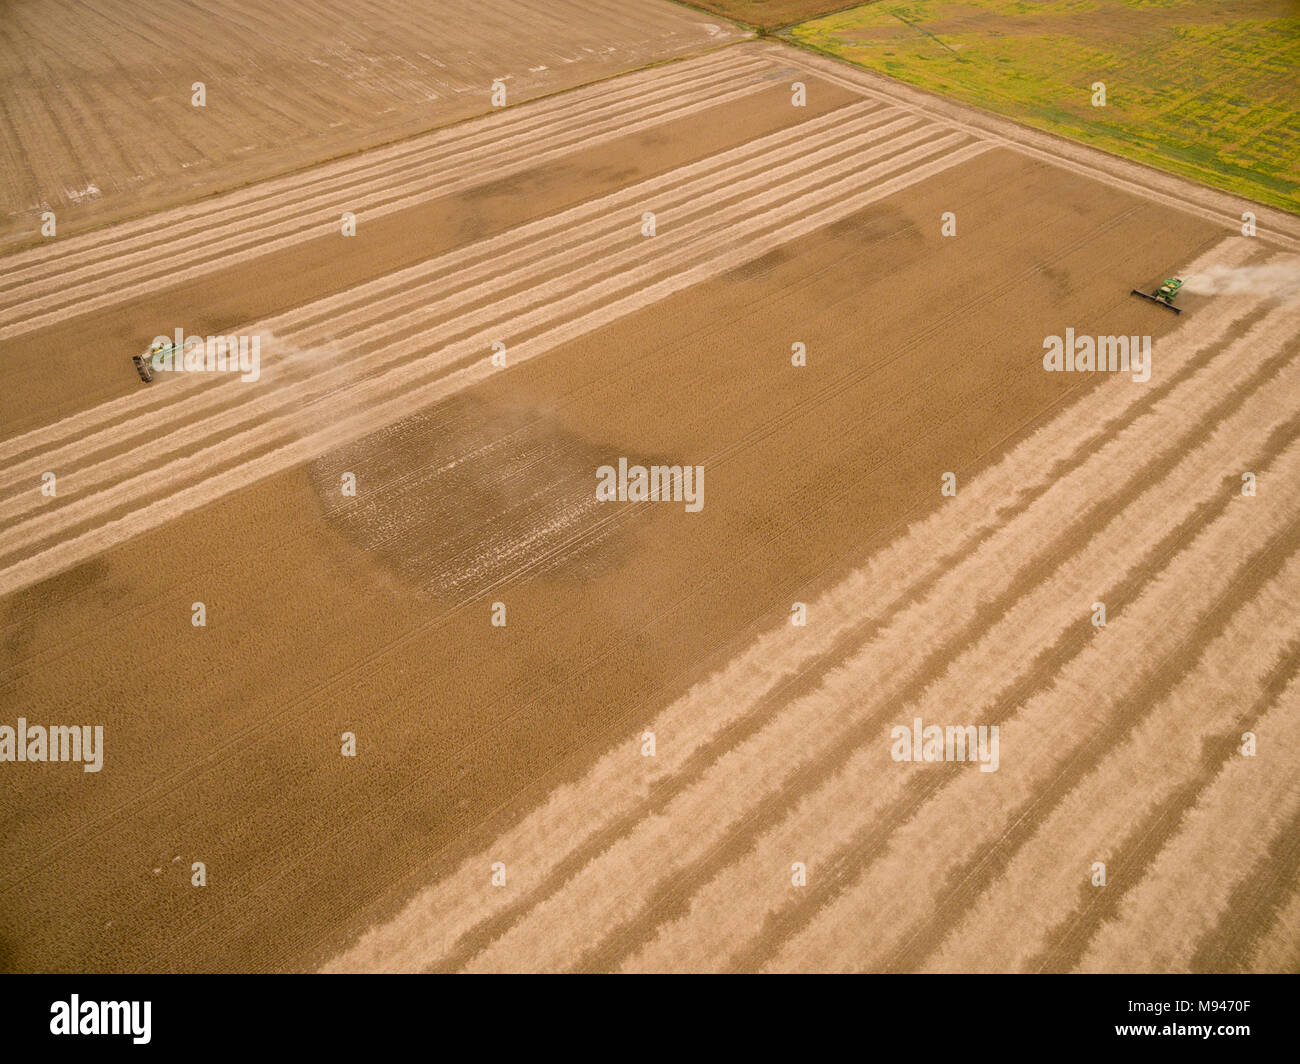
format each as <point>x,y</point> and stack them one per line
<point>1165,294</point>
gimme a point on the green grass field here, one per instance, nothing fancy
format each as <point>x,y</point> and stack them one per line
<point>1209,90</point>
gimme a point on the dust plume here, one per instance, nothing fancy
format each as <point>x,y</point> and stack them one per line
<point>1279,280</point>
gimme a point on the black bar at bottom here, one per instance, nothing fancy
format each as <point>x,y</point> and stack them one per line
<point>607,1015</point>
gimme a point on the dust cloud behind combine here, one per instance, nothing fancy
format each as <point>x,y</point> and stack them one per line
<point>1279,281</point>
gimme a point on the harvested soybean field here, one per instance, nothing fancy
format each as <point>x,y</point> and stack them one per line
<point>400,667</point>
<point>114,109</point>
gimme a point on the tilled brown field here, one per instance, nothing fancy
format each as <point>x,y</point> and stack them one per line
<point>500,813</point>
